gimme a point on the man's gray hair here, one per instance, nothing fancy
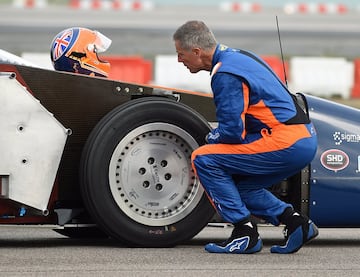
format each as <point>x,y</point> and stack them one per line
<point>195,34</point>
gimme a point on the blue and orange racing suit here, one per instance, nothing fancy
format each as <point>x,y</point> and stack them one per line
<point>260,139</point>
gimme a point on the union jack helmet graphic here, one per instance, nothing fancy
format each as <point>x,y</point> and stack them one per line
<point>76,50</point>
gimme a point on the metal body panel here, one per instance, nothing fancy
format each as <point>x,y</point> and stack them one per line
<point>31,146</point>
<point>78,102</point>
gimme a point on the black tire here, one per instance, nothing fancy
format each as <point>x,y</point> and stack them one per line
<point>136,177</point>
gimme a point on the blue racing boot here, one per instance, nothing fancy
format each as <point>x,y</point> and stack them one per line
<point>298,231</point>
<point>244,239</point>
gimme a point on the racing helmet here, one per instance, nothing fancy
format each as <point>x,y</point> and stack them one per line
<point>76,50</point>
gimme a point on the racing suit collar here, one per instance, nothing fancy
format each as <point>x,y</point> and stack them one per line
<point>216,57</point>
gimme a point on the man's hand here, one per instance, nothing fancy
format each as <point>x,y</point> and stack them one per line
<point>212,137</point>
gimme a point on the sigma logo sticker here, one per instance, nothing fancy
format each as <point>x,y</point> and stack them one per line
<point>340,137</point>
<point>334,159</point>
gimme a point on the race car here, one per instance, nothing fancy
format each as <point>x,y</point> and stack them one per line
<point>95,157</point>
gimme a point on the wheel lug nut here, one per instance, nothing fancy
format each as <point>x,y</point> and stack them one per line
<point>146,184</point>
<point>159,187</point>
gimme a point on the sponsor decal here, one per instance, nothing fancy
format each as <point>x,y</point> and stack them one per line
<point>156,232</point>
<point>334,159</point>
<point>340,137</point>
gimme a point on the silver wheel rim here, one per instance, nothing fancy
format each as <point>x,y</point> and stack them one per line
<point>150,174</point>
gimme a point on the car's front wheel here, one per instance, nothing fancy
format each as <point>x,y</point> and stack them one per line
<point>136,176</point>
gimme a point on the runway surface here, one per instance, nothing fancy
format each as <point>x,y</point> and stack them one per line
<point>29,251</point>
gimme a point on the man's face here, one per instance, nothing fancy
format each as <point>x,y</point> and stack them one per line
<point>190,58</point>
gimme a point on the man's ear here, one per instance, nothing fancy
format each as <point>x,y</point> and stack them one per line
<point>196,51</point>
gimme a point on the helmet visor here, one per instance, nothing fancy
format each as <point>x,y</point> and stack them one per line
<point>102,42</point>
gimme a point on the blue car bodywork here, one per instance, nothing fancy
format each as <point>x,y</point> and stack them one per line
<point>335,171</point>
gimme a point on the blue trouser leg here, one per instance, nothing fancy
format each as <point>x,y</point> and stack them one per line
<point>235,204</point>
<point>263,203</point>
<point>235,201</point>
<point>237,197</point>
<point>221,189</point>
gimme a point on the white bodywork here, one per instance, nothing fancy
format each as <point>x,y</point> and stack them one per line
<point>31,145</point>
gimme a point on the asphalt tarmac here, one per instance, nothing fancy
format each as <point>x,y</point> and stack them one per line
<point>29,251</point>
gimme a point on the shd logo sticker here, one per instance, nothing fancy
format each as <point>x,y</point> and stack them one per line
<point>334,159</point>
